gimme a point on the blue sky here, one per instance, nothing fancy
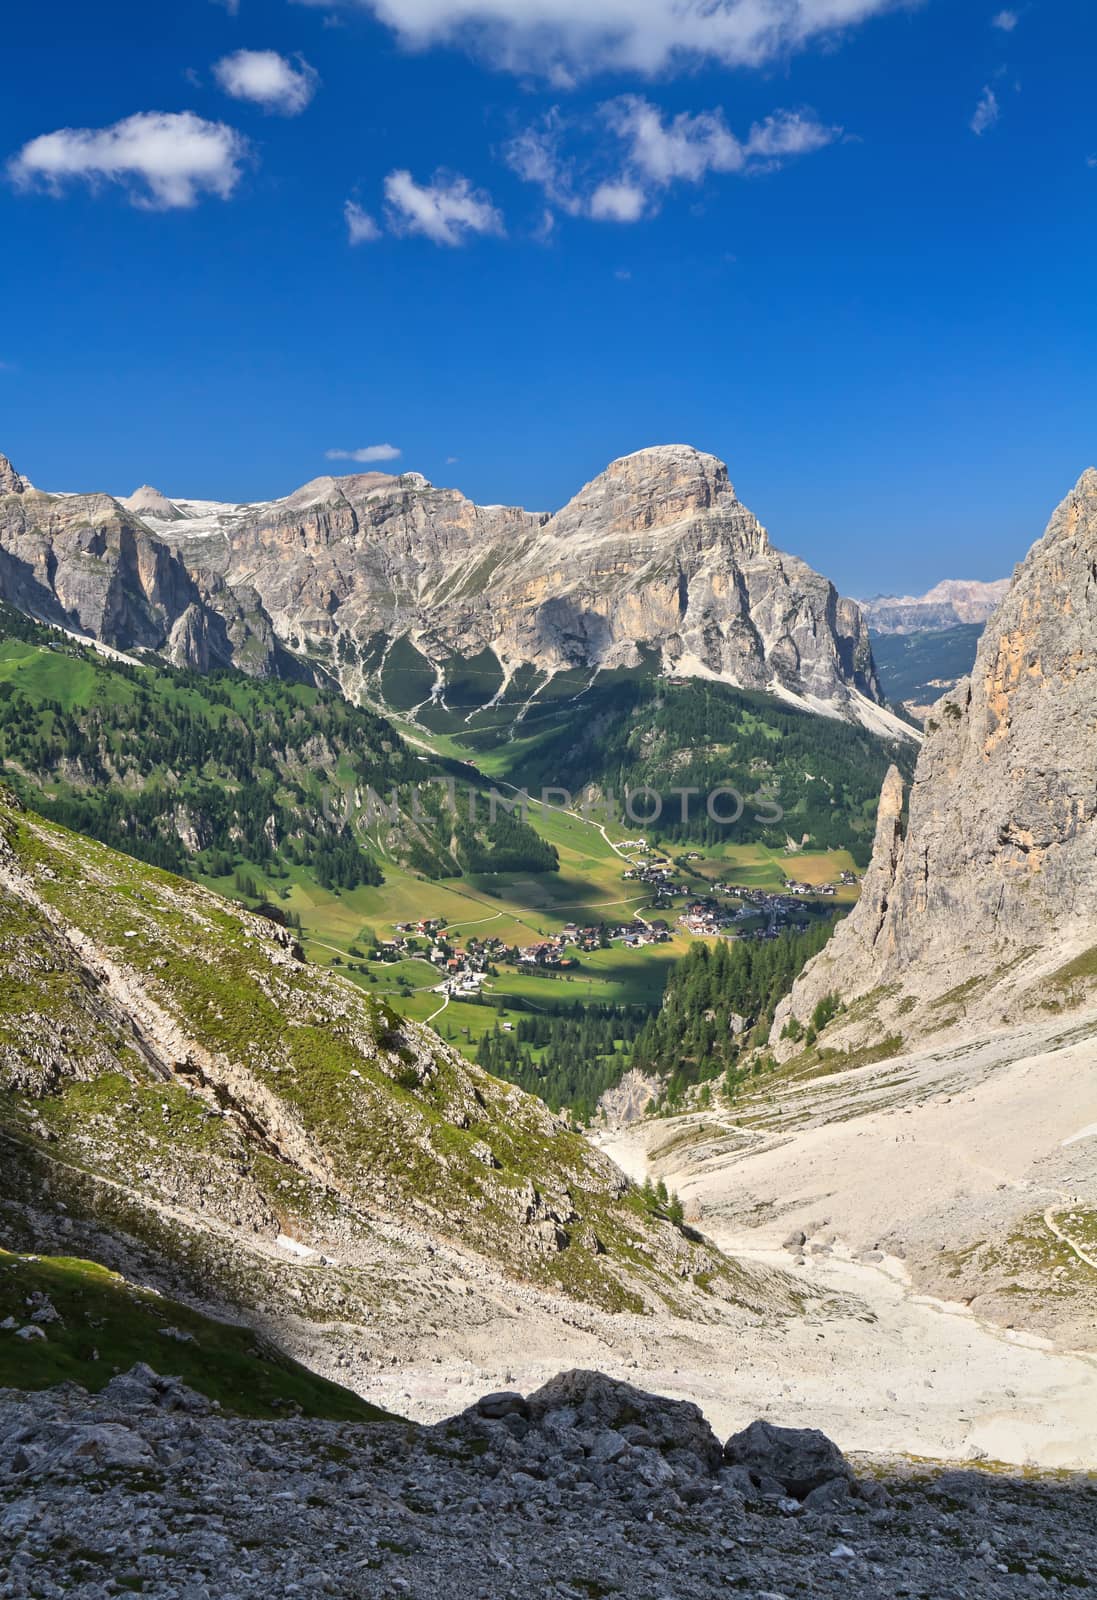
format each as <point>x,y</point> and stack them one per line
<point>856,261</point>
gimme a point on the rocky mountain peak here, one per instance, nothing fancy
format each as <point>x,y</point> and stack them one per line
<point>996,868</point>
<point>147,501</point>
<point>654,566</point>
<point>649,489</point>
<point>10,481</point>
<point>947,604</point>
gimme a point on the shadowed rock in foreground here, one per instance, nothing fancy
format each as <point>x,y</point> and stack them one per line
<point>588,1487</point>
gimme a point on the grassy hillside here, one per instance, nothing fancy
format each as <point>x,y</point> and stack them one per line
<point>218,774</point>
<point>800,775</point>
<point>170,1070</point>
<point>104,1325</point>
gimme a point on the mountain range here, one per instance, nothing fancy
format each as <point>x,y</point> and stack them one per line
<point>419,599</point>
<point>947,604</point>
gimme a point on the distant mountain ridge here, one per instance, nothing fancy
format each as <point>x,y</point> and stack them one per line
<point>952,601</point>
<point>397,587</point>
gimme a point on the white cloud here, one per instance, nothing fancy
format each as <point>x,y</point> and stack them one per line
<point>369,452</point>
<point>685,148</point>
<point>164,159</point>
<point>1006,20</point>
<point>451,461</point>
<point>446,210</point>
<point>231,6</point>
<point>268,80</point>
<point>786,133</point>
<point>986,112</point>
<point>570,39</point>
<point>651,154</point>
<point>618,202</point>
<point>361,228</point>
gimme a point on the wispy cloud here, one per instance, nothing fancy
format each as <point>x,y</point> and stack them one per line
<point>268,80</point>
<point>368,452</point>
<point>447,210</point>
<point>1005,20</point>
<point>650,153</point>
<point>565,40</point>
<point>231,6</point>
<point>164,160</point>
<point>361,228</point>
<point>986,113</point>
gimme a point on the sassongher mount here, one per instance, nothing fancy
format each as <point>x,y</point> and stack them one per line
<point>388,581</point>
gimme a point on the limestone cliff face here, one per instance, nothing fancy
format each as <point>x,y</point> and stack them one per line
<point>997,863</point>
<point>87,563</point>
<point>656,556</point>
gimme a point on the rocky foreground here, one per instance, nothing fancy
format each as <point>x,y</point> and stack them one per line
<point>587,1488</point>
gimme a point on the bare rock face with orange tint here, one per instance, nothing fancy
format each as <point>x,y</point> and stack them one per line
<point>995,870</point>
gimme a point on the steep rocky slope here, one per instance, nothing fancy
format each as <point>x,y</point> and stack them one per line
<point>88,563</point>
<point>983,899</point>
<point>178,1091</point>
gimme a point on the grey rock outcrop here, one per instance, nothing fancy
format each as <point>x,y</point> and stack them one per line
<point>800,1460</point>
<point>88,564</point>
<point>997,860</point>
<point>590,1401</point>
<point>10,481</point>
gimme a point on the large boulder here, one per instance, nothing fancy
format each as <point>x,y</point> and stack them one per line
<point>594,1404</point>
<point>799,1459</point>
<point>59,1448</point>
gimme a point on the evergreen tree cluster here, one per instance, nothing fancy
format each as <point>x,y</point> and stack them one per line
<point>201,772</point>
<point>502,844</point>
<point>719,1002</point>
<point>569,1057</point>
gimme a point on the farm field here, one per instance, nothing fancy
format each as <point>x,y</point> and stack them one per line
<point>520,909</point>
<point>760,867</point>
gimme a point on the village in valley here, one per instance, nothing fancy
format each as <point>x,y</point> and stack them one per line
<point>674,907</point>
<point>479,952</point>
